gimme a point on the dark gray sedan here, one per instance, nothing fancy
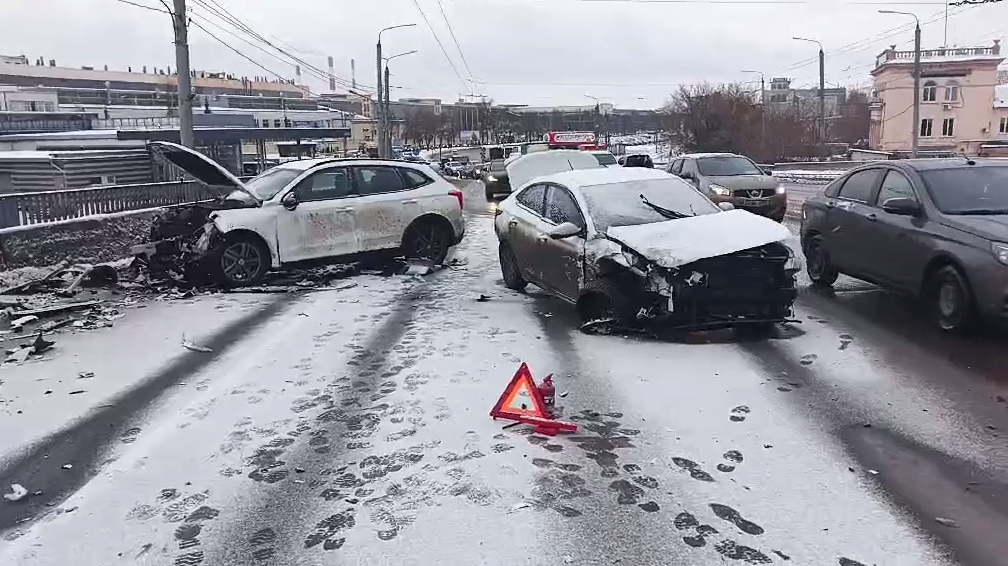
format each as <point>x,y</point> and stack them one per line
<point>934,228</point>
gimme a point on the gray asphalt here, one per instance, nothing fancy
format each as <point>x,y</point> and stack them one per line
<point>352,427</point>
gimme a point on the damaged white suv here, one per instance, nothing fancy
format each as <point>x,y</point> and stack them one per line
<point>640,247</point>
<point>300,211</point>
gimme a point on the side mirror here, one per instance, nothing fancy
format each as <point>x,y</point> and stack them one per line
<point>726,206</point>
<point>565,230</point>
<point>768,172</point>
<point>902,206</point>
<point>686,175</point>
<point>290,200</point>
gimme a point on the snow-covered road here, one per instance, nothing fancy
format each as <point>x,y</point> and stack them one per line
<point>351,427</point>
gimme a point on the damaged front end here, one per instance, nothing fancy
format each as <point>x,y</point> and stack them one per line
<point>755,286</point>
<point>180,237</point>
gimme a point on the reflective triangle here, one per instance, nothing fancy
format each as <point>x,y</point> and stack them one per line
<point>520,398</point>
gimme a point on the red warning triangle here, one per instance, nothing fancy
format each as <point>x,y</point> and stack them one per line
<point>521,398</point>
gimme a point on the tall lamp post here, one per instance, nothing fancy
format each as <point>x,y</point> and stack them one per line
<point>378,83</point>
<point>387,110</point>
<point>598,110</point>
<point>915,127</point>
<point>822,89</point>
<point>762,92</point>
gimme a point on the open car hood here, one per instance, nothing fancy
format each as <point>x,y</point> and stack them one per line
<point>201,168</point>
<point>674,243</point>
<point>542,163</point>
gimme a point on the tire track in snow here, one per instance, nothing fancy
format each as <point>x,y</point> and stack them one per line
<point>85,443</point>
<point>627,501</point>
<point>335,423</point>
<point>920,479</point>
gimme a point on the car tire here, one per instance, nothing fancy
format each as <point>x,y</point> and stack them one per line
<point>817,263</point>
<point>239,260</point>
<point>604,300</point>
<point>427,240</point>
<point>510,270</point>
<point>489,195</point>
<point>951,301</point>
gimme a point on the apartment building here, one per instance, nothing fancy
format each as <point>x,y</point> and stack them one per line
<point>963,109</point>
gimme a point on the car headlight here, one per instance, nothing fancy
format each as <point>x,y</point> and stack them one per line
<point>794,263</point>
<point>719,190</point>
<point>781,190</point>
<point>1000,252</point>
<point>491,178</point>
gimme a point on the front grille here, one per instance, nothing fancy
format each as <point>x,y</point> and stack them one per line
<point>754,193</point>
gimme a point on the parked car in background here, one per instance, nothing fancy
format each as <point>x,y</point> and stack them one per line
<point>495,179</point>
<point>307,210</point>
<point>453,169</point>
<point>936,229</point>
<point>639,247</point>
<point>637,160</point>
<point>726,177</point>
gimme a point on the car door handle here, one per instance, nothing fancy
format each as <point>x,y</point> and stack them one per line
<point>542,238</point>
<point>830,204</point>
<point>347,209</point>
<point>512,223</point>
<point>872,217</point>
<point>411,201</point>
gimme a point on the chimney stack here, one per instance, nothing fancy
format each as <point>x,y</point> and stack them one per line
<point>332,76</point>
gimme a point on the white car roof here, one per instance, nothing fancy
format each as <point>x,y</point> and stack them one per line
<point>306,164</point>
<point>605,176</point>
<point>547,163</point>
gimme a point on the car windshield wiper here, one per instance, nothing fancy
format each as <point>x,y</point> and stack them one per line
<point>662,210</point>
<point>980,211</point>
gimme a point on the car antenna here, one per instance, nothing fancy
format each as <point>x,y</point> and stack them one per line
<point>569,164</point>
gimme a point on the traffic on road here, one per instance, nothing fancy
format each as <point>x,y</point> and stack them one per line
<point>734,378</point>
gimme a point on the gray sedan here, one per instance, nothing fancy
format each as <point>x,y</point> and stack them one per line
<point>934,228</point>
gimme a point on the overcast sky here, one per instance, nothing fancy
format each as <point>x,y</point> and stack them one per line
<point>630,53</point>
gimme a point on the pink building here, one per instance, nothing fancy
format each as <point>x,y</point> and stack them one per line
<point>963,108</point>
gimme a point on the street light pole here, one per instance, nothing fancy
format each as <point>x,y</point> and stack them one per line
<point>915,127</point>
<point>185,93</point>
<point>379,113</point>
<point>595,114</point>
<point>822,90</point>
<point>762,90</point>
<point>387,108</point>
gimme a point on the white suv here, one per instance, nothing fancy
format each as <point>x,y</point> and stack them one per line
<point>318,209</point>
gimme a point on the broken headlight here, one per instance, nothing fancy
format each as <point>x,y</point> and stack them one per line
<point>794,262</point>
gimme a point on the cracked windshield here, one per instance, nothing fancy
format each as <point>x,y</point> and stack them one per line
<point>503,282</point>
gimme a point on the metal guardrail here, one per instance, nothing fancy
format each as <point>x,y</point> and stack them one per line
<point>44,207</point>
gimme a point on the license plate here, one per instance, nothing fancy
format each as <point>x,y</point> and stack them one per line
<point>754,201</point>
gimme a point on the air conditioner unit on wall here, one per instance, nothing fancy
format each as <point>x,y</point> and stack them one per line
<point>946,106</point>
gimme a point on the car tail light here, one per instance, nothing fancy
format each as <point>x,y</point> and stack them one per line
<point>458,195</point>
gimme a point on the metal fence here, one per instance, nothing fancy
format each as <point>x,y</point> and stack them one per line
<point>44,207</point>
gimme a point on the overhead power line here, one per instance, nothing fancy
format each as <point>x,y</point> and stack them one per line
<point>455,39</point>
<point>441,45</point>
<point>145,7</point>
<point>225,15</point>
<point>237,51</point>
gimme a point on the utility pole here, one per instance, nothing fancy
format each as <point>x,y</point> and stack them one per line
<point>762,84</point>
<point>387,113</point>
<point>380,138</point>
<point>185,92</point>
<point>915,127</point>
<point>822,91</point>
<point>380,118</point>
<point>917,94</point>
<point>822,98</point>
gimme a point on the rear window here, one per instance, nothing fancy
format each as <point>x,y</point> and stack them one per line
<point>978,189</point>
<point>605,158</point>
<point>497,165</point>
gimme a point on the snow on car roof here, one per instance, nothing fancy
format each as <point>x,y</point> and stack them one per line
<point>306,164</point>
<point>711,154</point>
<point>606,176</point>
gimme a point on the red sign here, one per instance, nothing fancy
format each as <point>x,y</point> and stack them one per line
<point>523,402</point>
<point>572,139</point>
